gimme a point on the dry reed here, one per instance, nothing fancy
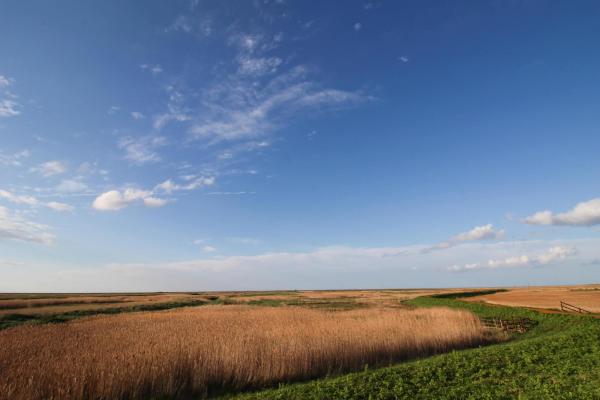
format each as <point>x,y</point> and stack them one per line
<point>195,351</point>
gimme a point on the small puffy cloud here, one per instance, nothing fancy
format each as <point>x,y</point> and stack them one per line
<point>51,168</point>
<point>154,202</point>
<point>9,108</point>
<point>142,150</point>
<point>403,59</point>
<point>115,200</point>
<point>554,254</point>
<point>357,26</point>
<point>583,214</point>
<point>14,227</point>
<point>208,249</point>
<point>5,81</point>
<point>137,115</point>
<point>71,186</point>
<point>484,232</point>
<point>112,110</point>
<point>154,69</point>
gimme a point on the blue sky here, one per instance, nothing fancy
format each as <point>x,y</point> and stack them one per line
<point>210,145</point>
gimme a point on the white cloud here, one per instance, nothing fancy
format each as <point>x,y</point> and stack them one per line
<point>114,200</point>
<point>169,186</point>
<point>245,240</point>
<point>194,26</point>
<point>71,186</point>
<point>357,26</point>
<point>154,202</point>
<point>333,267</point>
<point>583,214</point>
<point>14,227</point>
<point>14,160</point>
<point>51,168</point>
<point>5,81</point>
<point>9,108</point>
<point>237,110</point>
<point>154,69</point>
<point>556,253</point>
<point>56,206</point>
<point>259,66</point>
<point>208,249</point>
<point>142,150</point>
<point>240,193</point>
<point>16,199</point>
<point>32,201</point>
<point>112,110</point>
<point>403,59</point>
<point>137,115</point>
<point>484,232</point>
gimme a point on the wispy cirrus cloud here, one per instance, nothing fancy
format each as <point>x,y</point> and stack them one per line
<point>32,201</point>
<point>169,186</point>
<point>9,107</point>
<point>236,110</point>
<point>199,27</point>
<point>142,150</point>
<point>261,93</point>
<point>14,160</point>
<point>586,213</point>
<point>15,227</point>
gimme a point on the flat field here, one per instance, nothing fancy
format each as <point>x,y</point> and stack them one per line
<point>347,344</point>
<point>584,296</point>
<point>196,351</point>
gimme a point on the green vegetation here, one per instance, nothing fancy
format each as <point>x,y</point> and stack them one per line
<point>10,320</point>
<point>458,295</point>
<point>332,304</point>
<point>559,358</point>
<point>253,294</point>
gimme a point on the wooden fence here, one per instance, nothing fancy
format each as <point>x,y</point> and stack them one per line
<point>571,308</point>
<point>519,325</point>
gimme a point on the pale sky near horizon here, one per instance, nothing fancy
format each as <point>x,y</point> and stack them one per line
<point>280,144</point>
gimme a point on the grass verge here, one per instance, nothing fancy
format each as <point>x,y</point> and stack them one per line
<point>558,359</point>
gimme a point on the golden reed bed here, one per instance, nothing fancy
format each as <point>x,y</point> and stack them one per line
<point>195,351</point>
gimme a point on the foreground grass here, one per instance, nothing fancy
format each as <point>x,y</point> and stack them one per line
<point>558,359</point>
<point>197,352</point>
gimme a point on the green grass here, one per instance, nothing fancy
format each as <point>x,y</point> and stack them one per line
<point>253,294</point>
<point>332,304</point>
<point>11,320</point>
<point>559,358</point>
